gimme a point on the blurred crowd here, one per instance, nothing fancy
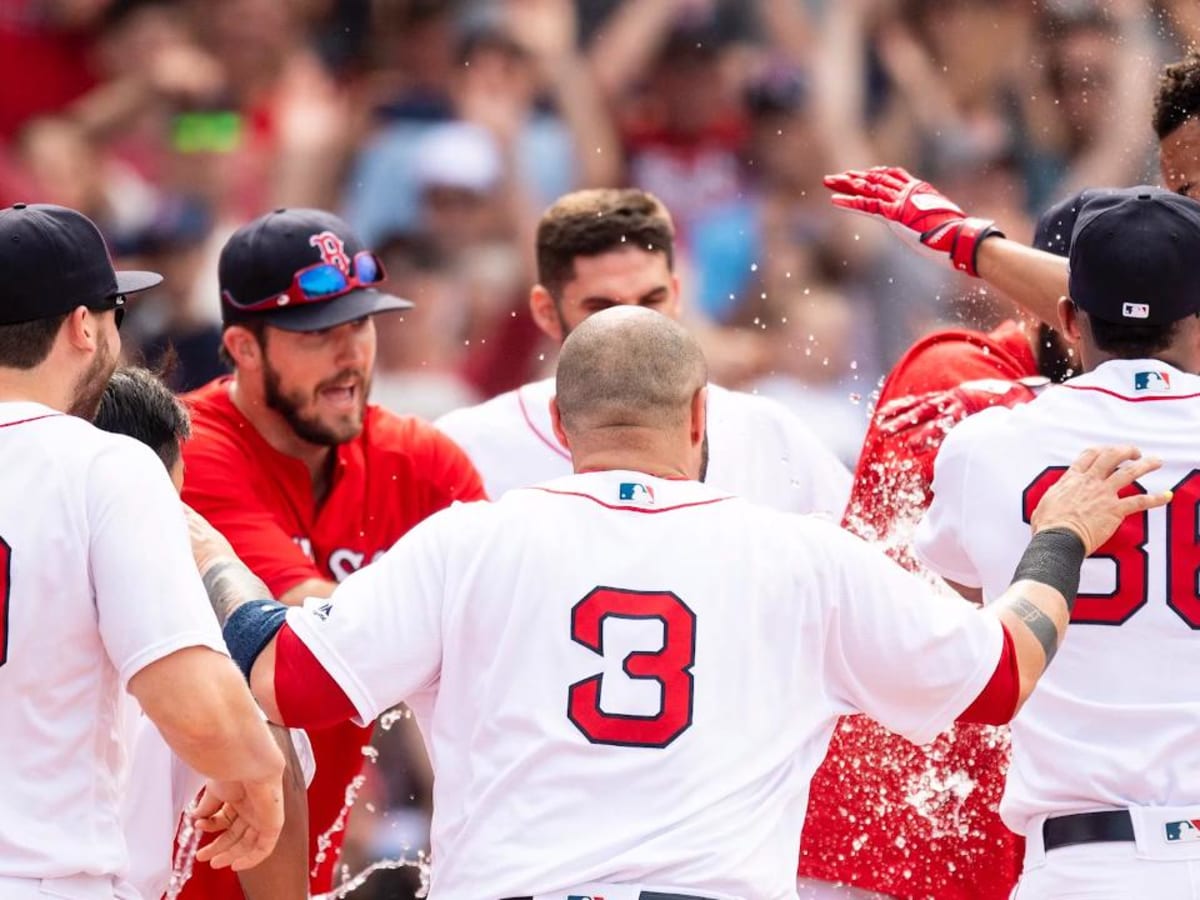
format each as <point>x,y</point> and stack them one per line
<point>442,128</point>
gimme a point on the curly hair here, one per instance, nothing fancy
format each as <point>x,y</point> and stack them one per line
<point>1178,96</point>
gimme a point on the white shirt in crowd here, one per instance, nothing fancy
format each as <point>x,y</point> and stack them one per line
<point>96,582</point>
<point>627,679</point>
<point>757,449</point>
<point>1114,721</point>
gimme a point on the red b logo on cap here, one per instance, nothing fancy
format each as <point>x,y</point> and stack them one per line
<point>332,250</point>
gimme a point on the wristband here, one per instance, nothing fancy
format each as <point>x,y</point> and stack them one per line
<point>1054,558</point>
<point>971,233</point>
<point>250,628</point>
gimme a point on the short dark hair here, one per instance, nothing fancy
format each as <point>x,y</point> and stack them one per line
<point>139,404</point>
<point>1178,96</point>
<point>588,223</point>
<point>27,344</point>
<point>1126,341</point>
<point>256,326</point>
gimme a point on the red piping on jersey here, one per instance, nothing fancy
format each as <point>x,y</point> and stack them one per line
<point>1100,390</point>
<point>553,445</point>
<point>30,419</point>
<point>636,509</point>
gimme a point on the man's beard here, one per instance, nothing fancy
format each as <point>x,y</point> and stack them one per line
<point>309,429</point>
<point>90,386</point>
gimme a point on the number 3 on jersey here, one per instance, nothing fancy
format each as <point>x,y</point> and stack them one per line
<point>1127,550</point>
<point>669,665</point>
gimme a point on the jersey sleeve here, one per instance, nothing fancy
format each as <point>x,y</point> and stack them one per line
<point>150,601</point>
<point>379,637</point>
<point>909,656</point>
<point>228,500</point>
<point>938,538</point>
<point>451,470</point>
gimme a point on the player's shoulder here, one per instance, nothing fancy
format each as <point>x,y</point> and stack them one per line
<point>753,409</point>
<point>386,433</point>
<point>503,410</point>
<point>74,440</point>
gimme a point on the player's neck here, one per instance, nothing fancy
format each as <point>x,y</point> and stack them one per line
<point>275,430</point>
<point>34,386</point>
<point>648,457</point>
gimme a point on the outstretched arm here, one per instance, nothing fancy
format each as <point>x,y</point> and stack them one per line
<point>932,223</point>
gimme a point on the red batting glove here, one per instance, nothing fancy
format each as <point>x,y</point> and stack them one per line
<point>915,209</point>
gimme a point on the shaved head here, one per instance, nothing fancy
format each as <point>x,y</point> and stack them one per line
<point>628,367</point>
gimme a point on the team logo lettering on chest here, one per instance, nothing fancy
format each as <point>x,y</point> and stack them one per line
<point>344,562</point>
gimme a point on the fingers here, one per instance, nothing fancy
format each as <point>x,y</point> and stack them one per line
<point>867,205</point>
<point>241,847</point>
<point>1108,458</point>
<point>220,821</point>
<point>207,805</point>
<point>1128,474</point>
<point>1128,506</point>
<point>1085,460</point>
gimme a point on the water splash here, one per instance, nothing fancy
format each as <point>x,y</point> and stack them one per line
<point>325,839</point>
<point>349,885</point>
<point>187,842</point>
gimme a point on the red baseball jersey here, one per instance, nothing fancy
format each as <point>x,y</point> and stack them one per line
<point>918,823</point>
<point>398,471</point>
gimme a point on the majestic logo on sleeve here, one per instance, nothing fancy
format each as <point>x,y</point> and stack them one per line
<point>636,492</point>
<point>1152,381</point>
<point>332,249</point>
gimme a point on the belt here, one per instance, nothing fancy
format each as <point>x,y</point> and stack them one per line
<point>1087,828</point>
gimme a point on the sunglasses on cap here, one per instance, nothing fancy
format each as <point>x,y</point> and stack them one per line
<point>318,283</point>
<point>115,303</point>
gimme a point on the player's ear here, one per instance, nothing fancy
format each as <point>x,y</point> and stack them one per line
<point>81,329</point>
<point>544,310</point>
<point>1068,319</point>
<point>556,423</point>
<point>699,415</point>
<point>242,346</point>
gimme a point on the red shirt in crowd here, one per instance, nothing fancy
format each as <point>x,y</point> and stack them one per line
<point>397,472</point>
<point>918,823</point>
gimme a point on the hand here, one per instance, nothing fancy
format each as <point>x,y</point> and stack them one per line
<point>921,421</point>
<point>914,209</point>
<point>1087,499</point>
<point>249,816</point>
<point>208,544</point>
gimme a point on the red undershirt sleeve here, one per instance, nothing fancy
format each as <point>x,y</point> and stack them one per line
<point>997,702</point>
<point>307,696</point>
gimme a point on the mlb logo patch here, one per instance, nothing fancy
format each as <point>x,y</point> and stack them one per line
<point>1135,310</point>
<point>1181,832</point>
<point>634,492</point>
<point>1152,381</point>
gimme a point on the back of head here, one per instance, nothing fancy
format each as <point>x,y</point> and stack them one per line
<point>1178,96</point>
<point>1133,269</point>
<point>628,367</point>
<point>137,403</point>
<point>591,222</point>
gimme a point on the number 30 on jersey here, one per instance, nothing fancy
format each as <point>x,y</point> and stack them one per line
<point>1131,557</point>
<point>670,666</point>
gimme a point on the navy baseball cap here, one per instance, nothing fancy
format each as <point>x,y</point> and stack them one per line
<point>300,270</point>
<point>1134,256</point>
<point>1055,226</point>
<point>53,259</point>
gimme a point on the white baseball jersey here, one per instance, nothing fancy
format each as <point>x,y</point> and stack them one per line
<point>627,679</point>
<point>96,582</point>
<point>160,787</point>
<point>1114,721</point>
<point>757,449</point>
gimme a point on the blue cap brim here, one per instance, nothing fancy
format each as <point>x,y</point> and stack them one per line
<point>357,304</point>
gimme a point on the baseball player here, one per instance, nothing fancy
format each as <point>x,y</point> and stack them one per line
<point>137,403</point>
<point>307,480</point>
<point>1104,768</point>
<point>98,591</point>
<point>627,677</point>
<point>922,822</point>
<point>602,248</point>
